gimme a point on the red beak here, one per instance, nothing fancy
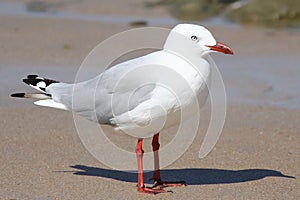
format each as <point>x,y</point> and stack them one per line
<point>221,48</point>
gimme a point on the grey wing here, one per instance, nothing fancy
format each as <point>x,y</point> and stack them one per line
<point>115,91</point>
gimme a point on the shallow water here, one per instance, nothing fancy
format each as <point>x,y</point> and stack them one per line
<point>19,9</point>
<point>262,80</point>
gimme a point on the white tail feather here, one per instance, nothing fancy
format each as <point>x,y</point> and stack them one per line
<point>39,96</point>
<point>51,103</point>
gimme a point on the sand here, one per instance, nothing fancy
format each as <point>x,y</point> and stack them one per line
<point>42,156</point>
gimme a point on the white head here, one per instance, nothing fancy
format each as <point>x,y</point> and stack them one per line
<point>195,36</point>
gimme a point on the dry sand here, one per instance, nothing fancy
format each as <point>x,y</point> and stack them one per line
<point>42,156</point>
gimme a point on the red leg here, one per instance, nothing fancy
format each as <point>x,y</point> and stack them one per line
<point>158,183</point>
<point>155,148</point>
<point>141,186</point>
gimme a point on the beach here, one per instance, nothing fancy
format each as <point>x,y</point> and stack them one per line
<point>42,156</point>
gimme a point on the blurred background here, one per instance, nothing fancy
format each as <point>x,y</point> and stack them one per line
<point>269,13</point>
<point>261,136</point>
<point>263,34</point>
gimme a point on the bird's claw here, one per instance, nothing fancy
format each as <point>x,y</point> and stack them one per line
<point>159,184</point>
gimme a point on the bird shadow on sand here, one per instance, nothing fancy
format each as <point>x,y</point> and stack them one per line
<point>192,176</point>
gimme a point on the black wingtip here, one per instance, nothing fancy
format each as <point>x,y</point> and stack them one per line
<point>25,80</point>
<point>29,77</point>
<point>19,95</point>
<point>32,76</point>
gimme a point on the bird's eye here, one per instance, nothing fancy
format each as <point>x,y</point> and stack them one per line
<point>194,38</point>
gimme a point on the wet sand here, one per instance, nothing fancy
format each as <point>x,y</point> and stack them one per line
<point>42,156</point>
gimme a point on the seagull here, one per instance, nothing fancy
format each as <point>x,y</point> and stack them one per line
<point>148,104</point>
